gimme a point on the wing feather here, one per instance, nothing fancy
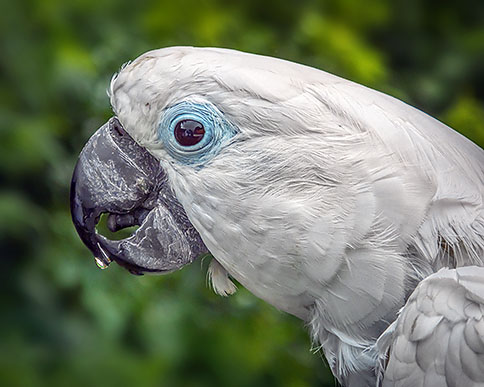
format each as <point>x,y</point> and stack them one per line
<point>442,346</point>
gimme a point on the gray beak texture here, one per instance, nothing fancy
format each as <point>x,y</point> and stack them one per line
<point>117,176</point>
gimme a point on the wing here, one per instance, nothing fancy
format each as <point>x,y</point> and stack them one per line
<point>438,339</point>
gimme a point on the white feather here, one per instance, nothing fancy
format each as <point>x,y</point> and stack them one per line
<point>219,279</point>
<point>438,339</point>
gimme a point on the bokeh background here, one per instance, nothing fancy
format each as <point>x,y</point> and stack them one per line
<point>63,321</point>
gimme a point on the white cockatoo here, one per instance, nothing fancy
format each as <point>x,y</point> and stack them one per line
<point>333,202</point>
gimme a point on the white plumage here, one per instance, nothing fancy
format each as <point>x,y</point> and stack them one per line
<point>332,202</point>
<point>438,339</point>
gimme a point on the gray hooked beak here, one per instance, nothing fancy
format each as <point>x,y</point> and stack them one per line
<point>115,175</point>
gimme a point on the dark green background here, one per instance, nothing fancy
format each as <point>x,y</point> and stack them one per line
<point>66,323</point>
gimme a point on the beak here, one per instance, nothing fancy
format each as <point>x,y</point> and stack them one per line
<point>117,176</point>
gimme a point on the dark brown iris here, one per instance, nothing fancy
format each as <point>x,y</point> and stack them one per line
<point>189,132</point>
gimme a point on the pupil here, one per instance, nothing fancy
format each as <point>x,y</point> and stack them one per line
<point>189,132</point>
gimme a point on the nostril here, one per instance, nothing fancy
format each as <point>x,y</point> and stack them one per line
<point>116,126</point>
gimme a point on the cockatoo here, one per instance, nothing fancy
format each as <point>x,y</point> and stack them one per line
<point>333,202</point>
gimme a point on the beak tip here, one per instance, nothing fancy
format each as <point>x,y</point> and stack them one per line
<point>101,263</point>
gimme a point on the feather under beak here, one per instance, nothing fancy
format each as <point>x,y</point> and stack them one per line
<point>117,176</point>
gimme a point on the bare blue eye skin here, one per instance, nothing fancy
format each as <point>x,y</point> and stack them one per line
<point>194,132</point>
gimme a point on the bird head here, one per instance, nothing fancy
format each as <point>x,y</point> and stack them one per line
<point>247,157</point>
<point>191,155</point>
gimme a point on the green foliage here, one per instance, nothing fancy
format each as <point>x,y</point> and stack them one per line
<point>64,322</point>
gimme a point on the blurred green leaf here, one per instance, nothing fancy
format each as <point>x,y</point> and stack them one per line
<point>467,116</point>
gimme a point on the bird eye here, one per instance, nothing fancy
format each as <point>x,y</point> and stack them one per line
<point>193,132</point>
<point>189,132</point>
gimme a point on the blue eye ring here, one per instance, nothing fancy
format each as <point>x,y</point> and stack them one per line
<point>217,131</point>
